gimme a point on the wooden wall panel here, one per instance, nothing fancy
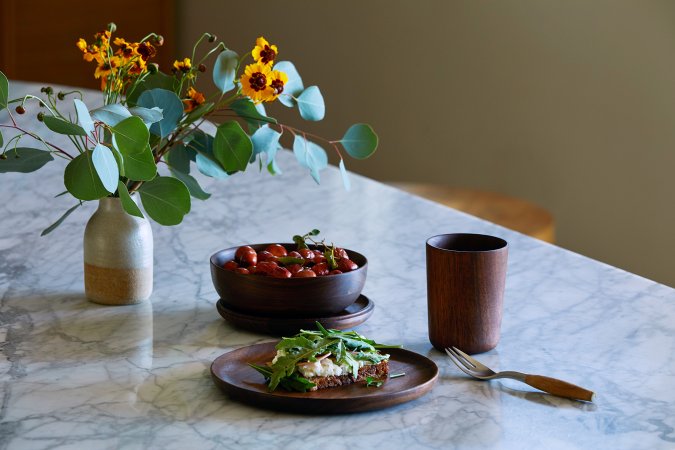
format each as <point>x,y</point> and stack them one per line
<point>37,37</point>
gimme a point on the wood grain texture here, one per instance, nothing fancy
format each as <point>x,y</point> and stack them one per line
<point>559,388</point>
<point>287,297</point>
<point>510,212</point>
<point>232,374</point>
<point>466,274</point>
<point>351,317</point>
<point>37,37</point>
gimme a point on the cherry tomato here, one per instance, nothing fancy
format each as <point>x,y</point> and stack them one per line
<point>242,270</point>
<point>335,272</point>
<point>266,256</point>
<point>307,254</point>
<point>347,265</point>
<point>276,250</point>
<point>294,254</point>
<point>305,273</point>
<point>246,256</point>
<point>341,253</point>
<point>239,254</point>
<point>320,269</point>
<point>281,272</point>
<point>230,265</point>
<point>294,268</point>
<point>266,267</point>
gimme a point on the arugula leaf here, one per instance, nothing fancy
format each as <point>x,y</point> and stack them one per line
<point>372,382</point>
<point>285,365</point>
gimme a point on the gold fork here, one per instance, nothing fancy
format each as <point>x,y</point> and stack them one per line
<point>471,367</point>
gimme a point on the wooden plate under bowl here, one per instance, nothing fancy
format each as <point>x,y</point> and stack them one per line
<point>232,374</point>
<point>352,316</point>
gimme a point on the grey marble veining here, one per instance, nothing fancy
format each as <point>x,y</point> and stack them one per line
<point>77,375</point>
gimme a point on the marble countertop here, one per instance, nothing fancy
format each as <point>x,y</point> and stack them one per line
<point>78,375</point>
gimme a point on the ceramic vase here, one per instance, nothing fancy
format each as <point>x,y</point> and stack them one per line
<point>118,256</point>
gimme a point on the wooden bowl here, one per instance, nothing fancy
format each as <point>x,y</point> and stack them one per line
<point>287,297</point>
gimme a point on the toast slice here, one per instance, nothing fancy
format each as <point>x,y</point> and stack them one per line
<point>377,371</point>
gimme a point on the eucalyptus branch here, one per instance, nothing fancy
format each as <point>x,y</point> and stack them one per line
<point>38,138</point>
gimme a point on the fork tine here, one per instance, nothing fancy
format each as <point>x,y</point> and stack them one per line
<point>462,357</point>
<point>476,364</point>
<point>459,362</point>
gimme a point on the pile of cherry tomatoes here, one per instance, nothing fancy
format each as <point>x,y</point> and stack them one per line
<point>275,261</point>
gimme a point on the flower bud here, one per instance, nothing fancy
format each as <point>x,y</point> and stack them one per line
<point>112,27</point>
<point>153,67</point>
<point>61,95</point>
<point>212,37</point>
<point>159,40</point>
<point>202,68</point>
<point>49,90</point>
<point>41,117</point>
<point>20,109</point>
<point>3,156</point>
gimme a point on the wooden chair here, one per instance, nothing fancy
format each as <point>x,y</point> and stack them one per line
<point>510,212</point>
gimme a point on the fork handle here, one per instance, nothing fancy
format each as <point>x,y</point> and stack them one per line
<point>559,388</point>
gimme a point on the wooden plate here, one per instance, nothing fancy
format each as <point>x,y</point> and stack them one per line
<point>355,314</point>
<point>232,374</point>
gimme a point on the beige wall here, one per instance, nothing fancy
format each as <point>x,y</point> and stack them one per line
<point>570,104</point>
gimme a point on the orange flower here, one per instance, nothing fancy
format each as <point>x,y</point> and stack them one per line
<point>193,100</point>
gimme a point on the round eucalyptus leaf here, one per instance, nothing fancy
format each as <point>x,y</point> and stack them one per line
<point>24,160</point>
<point>171,106</point>
<point>293,87</point>
<point>4,90</point>
<point>131,135</point>
<point>166,200</point>
<point>81,179</point>
<point>128,203</point>
<point>192,184</point>
<point>147,115</point>
<point>63,126</point>
<point>210,167</point>
<point>265,140</point>
<point>111,114</point>
<point>224,70</point>
<point>106,167</point>
<point>83,117</point>
<point>153,81</point>
<point>345,176</point>
<point>360,141</point>
<point>140,166</point>
<point>311,105</point>
<point>232,147</point>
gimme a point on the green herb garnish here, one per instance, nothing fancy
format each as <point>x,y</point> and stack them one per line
<point>372,382</point>
<point>396,375</point>
<point>346,349</point>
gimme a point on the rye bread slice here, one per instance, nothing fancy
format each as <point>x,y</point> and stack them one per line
<point>377,371</point>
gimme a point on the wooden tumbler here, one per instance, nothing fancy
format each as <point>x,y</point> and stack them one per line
<point>466,274</point>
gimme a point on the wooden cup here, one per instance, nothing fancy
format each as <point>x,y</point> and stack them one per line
<point>466,274</point>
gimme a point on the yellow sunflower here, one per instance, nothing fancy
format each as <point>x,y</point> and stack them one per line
<point>255,83</point>
<point>263,52</point>
<point>277,81</point>
<point>194,99</point>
